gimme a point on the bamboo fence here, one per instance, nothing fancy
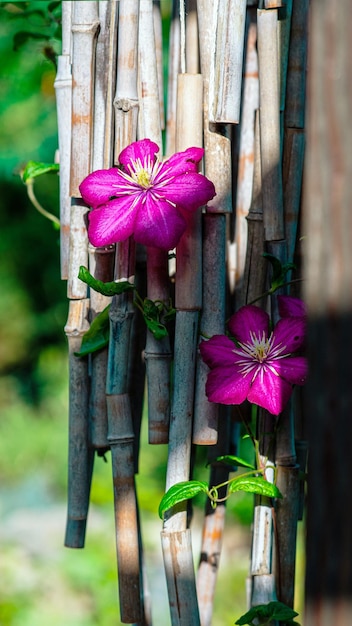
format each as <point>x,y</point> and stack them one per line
<point>234,74</point>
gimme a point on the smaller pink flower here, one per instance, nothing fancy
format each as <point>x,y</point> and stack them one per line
<point>261,366</point>
<point>145,197</point>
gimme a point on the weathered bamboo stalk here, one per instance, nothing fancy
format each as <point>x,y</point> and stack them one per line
<point>226,69</point>
<point>270,143</point>
<point>173,71</point>
<point>85,26</point>
<point>157,352</point>
<point>217,160</point>
<point>213,524</point>
<point>176,541</point>
<point>80,458</point>
<point>63,89</point>
<point>244,182</point>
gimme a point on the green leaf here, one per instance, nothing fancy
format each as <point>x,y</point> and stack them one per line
<point>229,459</point>
<point>107,289</point>
<point>268,612</point>
<point>275,264</point>
<point>159,330</point>
<point>179,492</point>
<point>34,169</point>
<point>97,337</point>
<point>254,484</point>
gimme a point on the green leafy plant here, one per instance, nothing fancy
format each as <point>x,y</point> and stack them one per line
<point>264,614</point>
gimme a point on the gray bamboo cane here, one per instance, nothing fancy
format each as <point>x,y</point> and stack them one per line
<point>157,352</point>
<point>101,260</point>
<point>176,540</point>
<point>126,97</point>
<point>244,182</point>
<point>213,524</point>
<point>101,265</point>
<point>173,71</point>
<point>226,69</point>
<point>157,18</point>
<point>84,31</point>
<point>80,458</point>
<point>63,89</point>
<point>297,66</point>
<point>270,143</point>
<point>284,31</point>
<point>120,425</point>
<point>217,160</point>
<point>254,270</point>
<point>85,27</point>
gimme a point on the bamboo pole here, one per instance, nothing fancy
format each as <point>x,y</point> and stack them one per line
<point>217,160</point>
<point>63,89</point>
<point>157,352</point>
<point>120,425</point>
<point>226,69</point>
<point>213,524</point>
<point>80,458</point>
<point>85,26</point>
<point>176,540</point>
<point>101,260</point>
<point>270,143</point>
<point>244,183</point>
<point>173,71</point>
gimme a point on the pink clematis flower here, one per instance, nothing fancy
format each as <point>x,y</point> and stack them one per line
<point>259,367</point>
<point>146,198</point>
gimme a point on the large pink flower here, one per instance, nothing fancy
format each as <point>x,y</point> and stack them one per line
<point>259,367</point>
<point>145,197</point>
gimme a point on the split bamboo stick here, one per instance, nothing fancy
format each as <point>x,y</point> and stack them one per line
<point>63,89</point>
<point>173,71</point>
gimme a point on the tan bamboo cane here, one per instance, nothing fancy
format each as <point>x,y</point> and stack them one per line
<point>85,26</point>
<point>63,89</point>
<point>217,160</point>
<point>176,540</point>
<point>120,425</point>
<point>158,36</point>
<point>157,351</point>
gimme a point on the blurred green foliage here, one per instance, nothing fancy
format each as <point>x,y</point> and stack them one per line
<point>32,304</point>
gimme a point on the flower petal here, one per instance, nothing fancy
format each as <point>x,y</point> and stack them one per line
<point>227,386</point>
<point>218,351</point>
<point>158,224</point>
<point>248,319</point>
<point>294,369</point>
<point>291,307</point>
<point>99,186</point>
<point>270,392</point>
<point>112,222</point>
<point>144,149</point>
<point>181,163</point>
<point>290,332</point>
<point>189,191</point>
